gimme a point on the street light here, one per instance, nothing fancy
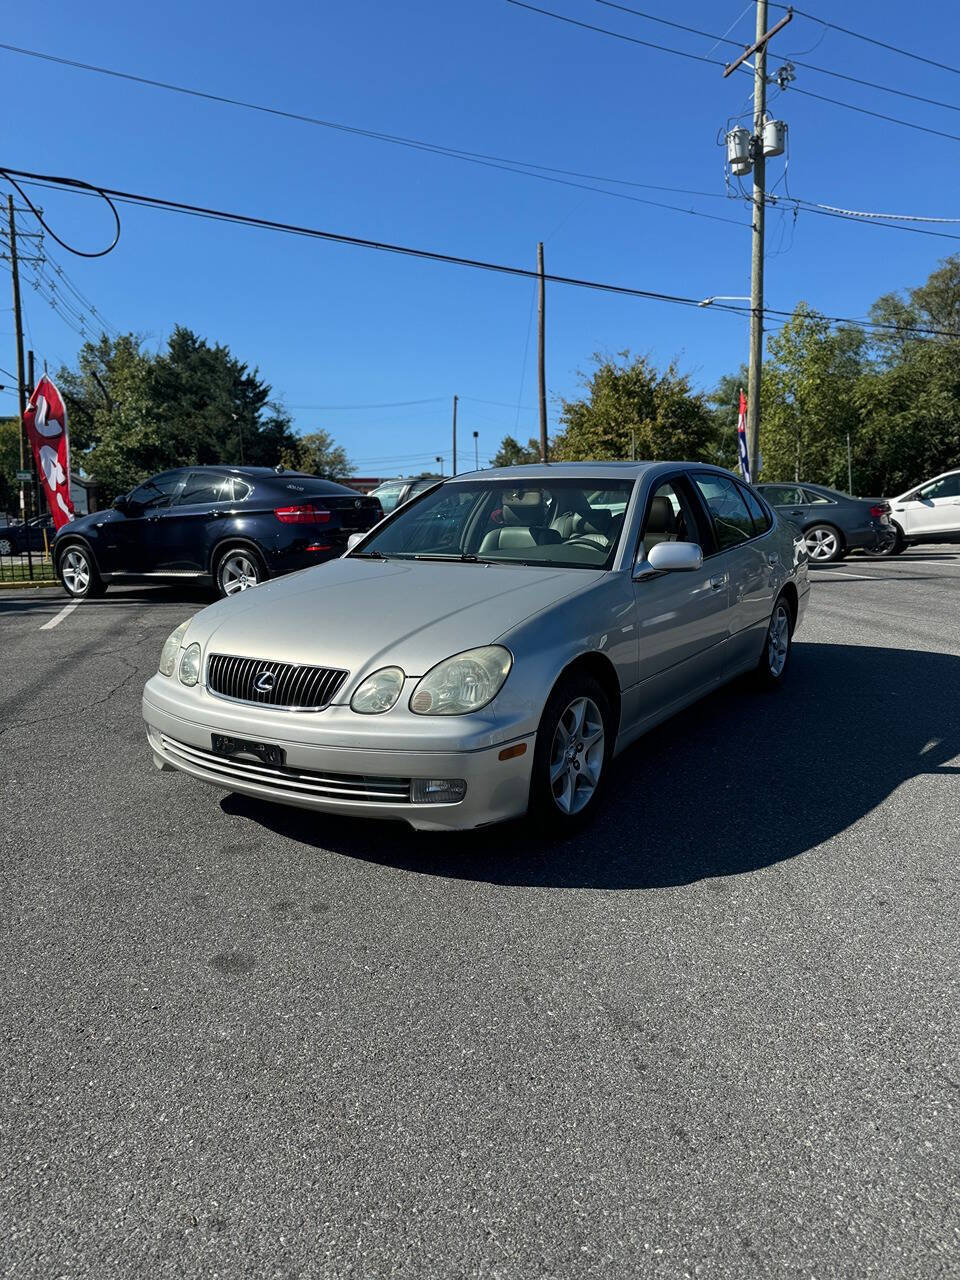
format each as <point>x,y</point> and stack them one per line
<point>476,451</point>
<point>440,461</point>
<point>723,297</point>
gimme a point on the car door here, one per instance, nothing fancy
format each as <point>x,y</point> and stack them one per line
<point>934,508</point>
<point>748,560</point>
<point>128,543</point>
<point>682,620</point>
<point>187,530</point>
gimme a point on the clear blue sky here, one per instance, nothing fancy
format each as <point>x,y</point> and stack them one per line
<point>330,325</point>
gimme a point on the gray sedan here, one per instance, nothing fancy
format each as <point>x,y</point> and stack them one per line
<point>487,649</point>
<point>832,522</point>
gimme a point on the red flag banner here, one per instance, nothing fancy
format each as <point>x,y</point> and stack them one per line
<point>45,419</point>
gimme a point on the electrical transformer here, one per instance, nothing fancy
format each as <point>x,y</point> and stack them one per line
<point>738,151</point>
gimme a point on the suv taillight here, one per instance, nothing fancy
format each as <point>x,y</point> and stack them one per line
<point>879,510</point>
<point>306,513</point>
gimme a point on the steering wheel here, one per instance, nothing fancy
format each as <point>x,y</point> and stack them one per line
<point>585,540</point>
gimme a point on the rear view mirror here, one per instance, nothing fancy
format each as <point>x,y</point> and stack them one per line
<point>670,557</point>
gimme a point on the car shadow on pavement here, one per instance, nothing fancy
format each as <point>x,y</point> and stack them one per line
<point>741,781</point>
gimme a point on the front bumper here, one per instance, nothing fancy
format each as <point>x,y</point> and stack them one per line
<point>325,770</point>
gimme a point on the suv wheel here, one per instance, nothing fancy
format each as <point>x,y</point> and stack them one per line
<point>78,573</point>
<point>238,568</point>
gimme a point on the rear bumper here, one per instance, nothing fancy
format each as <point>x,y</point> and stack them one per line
<point>495,789</point>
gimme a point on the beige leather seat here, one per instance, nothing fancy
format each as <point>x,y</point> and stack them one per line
<point>661,524</point>
<point>523,525</point>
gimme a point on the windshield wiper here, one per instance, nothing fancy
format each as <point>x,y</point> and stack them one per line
<point>465,557</point>
<point>367,555</point>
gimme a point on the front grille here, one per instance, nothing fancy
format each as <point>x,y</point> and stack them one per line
<point>292,688</point>
<point>292,782</point>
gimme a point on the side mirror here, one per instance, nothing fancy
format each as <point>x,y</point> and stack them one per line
<point>121,504</point>
<point>354,540</point>
<point>669,557</point>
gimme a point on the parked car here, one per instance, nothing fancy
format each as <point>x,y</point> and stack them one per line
<point>394,493</point>
<point>833,523</point>
<point>36,534</point>
<point>488,648</point>
<point>233,526</point>
<point>930,513</point>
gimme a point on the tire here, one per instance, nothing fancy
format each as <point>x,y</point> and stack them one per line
<point>896,546</point>
<point>6,547</point>
<point>567,782</point>
<point>824,543</point>
<point>774,662</point>
<point>238,568</point>
<point>78,573</point>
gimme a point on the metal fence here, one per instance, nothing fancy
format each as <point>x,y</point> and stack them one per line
<point>25,553</point>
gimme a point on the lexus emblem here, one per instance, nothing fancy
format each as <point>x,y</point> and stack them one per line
<point>264,682</point>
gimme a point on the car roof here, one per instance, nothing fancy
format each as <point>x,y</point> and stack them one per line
<point>585,470</point>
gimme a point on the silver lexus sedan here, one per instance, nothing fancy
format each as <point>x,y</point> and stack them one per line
<point>486,649</point>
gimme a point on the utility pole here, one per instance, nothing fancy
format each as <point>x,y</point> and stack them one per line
<point>455,398</point>
<point>541,352</point>
<point>476,451</point>
<point>18,325</point>
<point>633,444</point>
<point>759,51</point>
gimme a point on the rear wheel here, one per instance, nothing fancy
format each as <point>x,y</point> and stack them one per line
<point>894,545</point>
<point>238,568</point>
<point>6,547</point>
<point>78,573</point>
<point>572,752</point>
<point>772,667</point>
<point>824,543</point>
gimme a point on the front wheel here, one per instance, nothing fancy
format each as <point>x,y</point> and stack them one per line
<point>238,569</point>
<point>79,574</point>
<point>573,748</point>
<point>824,544</point>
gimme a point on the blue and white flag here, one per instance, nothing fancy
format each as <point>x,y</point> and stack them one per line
<point>742,439</point>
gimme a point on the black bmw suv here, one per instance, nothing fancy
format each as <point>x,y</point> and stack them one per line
<point>234,526</point>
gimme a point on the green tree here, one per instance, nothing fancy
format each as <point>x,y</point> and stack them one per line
<point>629,399</point>
<point>318,453</point>
<point>513,454</point>
<point>809,399</point>
<point>9,466</point>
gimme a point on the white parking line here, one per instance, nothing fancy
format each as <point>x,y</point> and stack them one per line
<point>58,618</point>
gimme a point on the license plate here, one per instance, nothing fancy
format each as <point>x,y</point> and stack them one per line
<point>237,748</point>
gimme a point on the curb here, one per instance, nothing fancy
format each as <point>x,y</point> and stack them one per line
<point>28,585</point>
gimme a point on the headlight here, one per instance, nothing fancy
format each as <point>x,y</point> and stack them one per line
<point>465,682</point>
<point>171,647</point>
<point>190,664</point>
<point>378,692</point>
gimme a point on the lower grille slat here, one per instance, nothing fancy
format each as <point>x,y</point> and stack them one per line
<point>300,782</point>
<point>286,686</point>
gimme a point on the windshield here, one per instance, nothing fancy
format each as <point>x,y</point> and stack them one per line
<point>572,524</point>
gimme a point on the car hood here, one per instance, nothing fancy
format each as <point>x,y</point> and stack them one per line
<point>359,615</point>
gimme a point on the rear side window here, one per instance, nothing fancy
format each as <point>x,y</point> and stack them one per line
<point>206,487</point>
<point>811,495</point>
<point>241,489</point>
<point>732,523</point>
<point>761,520</point>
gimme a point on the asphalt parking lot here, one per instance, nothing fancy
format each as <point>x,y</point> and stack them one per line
<point>714,1035</point>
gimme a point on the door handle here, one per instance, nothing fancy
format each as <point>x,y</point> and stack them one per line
<point>796,513</point>
<point>717,583</point>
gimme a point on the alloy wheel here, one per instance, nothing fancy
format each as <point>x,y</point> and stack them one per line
<point>75,569</point>
<point>237,573</point>
<point>6,547</point>
<point>778,641</point>
<point>577,754</point>
<point>822,543</point>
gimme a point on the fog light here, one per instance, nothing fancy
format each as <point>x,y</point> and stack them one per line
<point>437,790</point>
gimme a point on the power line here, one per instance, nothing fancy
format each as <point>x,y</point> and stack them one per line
<point>386,404</point>
<point>545,173</point>
<point>860,35</point>
<point>784,57</point>
<point>696,57</point>
<point>430,255</point>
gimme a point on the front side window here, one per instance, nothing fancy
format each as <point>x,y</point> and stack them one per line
<point>669,518</point>
<point>549,523</point>
<point>945,487</point>
<point>156,492</point>
<point>732,523</point>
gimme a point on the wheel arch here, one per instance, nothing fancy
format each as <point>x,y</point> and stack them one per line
<point>789,592</point>
<point>73,540</point>
<point>828,524</point>
<point>227,543</point>
<point>599,666</point>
